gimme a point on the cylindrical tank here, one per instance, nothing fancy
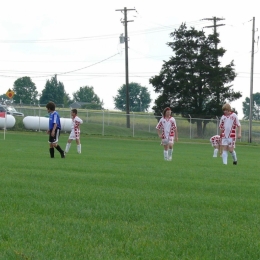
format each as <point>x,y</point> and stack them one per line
<point>10,121</point>
<point>42,123</point>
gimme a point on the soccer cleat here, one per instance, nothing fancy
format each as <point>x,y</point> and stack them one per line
<point>63,155</point>
<point>170,158</point>
<point>165,159</point>
<point>235,162</point>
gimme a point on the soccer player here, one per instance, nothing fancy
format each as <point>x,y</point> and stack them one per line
<point>216,143</point>
<point>228,124</point>
<point>167,131</point>
<point>75,131</point>
<point>54,129</point>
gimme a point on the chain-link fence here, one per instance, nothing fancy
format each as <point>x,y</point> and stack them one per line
<point>142,125</point>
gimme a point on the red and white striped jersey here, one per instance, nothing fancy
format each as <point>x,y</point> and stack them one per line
<point>228,125</point>
<point>76,121</point>
<point>215,140</point>
<point>168,126</point>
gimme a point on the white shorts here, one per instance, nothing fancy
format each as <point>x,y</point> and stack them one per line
<point>230,142</point>
<point>74,134</point>
<point>169,140</point>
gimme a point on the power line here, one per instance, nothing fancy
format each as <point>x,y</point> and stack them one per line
<point>67,72</point>
<point>99,37</point>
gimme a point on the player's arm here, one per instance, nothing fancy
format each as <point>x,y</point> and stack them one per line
<point>79,120</point>
<point>159,133</point>
<point>53,130</point>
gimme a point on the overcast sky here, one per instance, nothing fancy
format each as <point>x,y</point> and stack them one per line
<point>42,38</point>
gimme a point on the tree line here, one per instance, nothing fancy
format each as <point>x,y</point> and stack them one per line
<point>193,82</point>
<point>54,90</point>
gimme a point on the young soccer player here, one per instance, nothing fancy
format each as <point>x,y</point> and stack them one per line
<point>75,131</point>
<point>167,131</point>
<point>228,124</point>
<point>216,143</point>
<point>54,129</point>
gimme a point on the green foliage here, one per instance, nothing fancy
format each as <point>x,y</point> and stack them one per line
<point>54,91</point>
<point>25,91</point>
<point>92,206</point>
<point>87,95</point>
<point>139,98</point>
<point>193,82</point>
<point>255,107</point>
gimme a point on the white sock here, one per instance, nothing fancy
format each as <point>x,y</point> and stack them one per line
<point>170,153</point>
<point>215,153</point>
<point>67,147</point>
<point>234,156</point>
<point>79,148</point>
<point>165,154</point>
<point>224,157</point>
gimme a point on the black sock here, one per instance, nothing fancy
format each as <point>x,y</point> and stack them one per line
<point>52,152</point>
<point>59,149</point>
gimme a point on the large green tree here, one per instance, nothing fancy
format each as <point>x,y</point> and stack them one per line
<point>255,107</point>
<point>87,95</point>
<point>139,98</point>
<point>193,82</point>
<point>54,91</point>
<point>25,91</point>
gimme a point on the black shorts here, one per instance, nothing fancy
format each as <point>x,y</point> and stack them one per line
<point>54,139</point>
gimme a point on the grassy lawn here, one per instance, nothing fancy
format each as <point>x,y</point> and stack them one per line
<point>120,200</point>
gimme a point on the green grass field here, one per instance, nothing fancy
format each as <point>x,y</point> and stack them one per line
<point>120,200</point>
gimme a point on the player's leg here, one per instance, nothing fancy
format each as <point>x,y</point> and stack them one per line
<point>233,153</point>
<point>71,137</point>
<point>77,133</point>
<point>57,134</point>
<point>225,150</point>
<point>165,143</point>
<point>170,150</point>
<point>215,153</point>
<point>67,148</point>
<point>220,150</point>
<point>51,149</point>
<point>78,145</point>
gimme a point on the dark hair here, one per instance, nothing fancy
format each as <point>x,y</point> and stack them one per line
<point>51,106</point>
<point>74,110</point>
<point>164,111</point>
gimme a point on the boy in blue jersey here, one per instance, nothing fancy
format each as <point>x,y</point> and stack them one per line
<point>54,129</point>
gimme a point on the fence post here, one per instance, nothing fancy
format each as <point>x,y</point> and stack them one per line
<point>103,130</point>
<point>149,123</point>
<point>108,116</point>
<point>190,125</point>
<point>87,117</point>
<point>133,124</point>
<point>39,118</point>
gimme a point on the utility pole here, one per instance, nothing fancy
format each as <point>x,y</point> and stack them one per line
<point>214,19</point>
<point>215,25</point>
<point>251,83</point>
<point>126,64</point>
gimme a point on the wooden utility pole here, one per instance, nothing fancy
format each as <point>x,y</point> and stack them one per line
<point>126,64</point>
<point>215,25</point>
<point>251,83</point>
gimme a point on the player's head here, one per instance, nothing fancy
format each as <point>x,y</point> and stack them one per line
<point>50,106</point>
<point>167,112</point>
<point>226,108</point>
<point>74,112</point>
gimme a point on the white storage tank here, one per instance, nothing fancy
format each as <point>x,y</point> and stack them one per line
<point>42,123</point>
<point>10,121</point>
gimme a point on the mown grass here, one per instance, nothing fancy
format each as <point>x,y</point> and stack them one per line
<point>120,200</point>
